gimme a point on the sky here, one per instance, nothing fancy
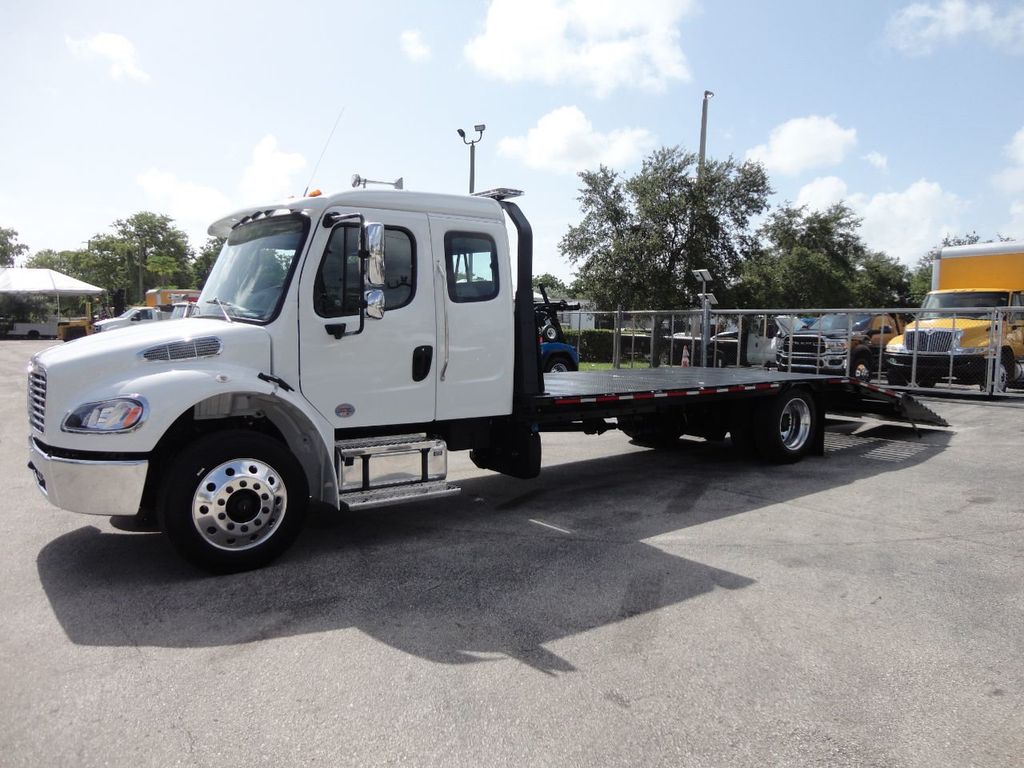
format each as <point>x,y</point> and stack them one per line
<point>910,113</point>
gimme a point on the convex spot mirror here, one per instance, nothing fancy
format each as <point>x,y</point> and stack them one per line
<point>374,303</point>
<point>375,274</point>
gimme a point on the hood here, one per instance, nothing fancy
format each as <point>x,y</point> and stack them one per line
<point>946,323</point>
<point>121,353</point>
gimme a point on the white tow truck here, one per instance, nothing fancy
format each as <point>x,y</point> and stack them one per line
<point>316,370</point>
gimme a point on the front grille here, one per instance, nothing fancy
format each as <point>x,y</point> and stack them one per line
<point>37,398</point>
<point>807,345</point>
<point>186,349</point>
<point>929,341</point>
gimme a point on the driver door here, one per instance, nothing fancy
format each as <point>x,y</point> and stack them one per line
<point>384,374</point>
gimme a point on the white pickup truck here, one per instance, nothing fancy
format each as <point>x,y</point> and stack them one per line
<point>294,383</point>
<point>129,317</point>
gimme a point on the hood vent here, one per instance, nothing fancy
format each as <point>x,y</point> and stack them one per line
<point>186,349</point>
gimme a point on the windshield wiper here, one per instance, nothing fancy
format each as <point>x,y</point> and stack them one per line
<point>223,307</point>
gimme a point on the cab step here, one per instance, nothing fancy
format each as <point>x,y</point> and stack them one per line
<point>378,471</point>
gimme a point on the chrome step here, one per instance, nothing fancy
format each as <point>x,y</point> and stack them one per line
<point>376,471</point>
<point>397,494</point>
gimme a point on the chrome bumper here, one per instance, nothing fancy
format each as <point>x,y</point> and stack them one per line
<point>89,487</point>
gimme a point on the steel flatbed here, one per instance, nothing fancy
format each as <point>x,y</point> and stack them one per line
<point>590,394</point>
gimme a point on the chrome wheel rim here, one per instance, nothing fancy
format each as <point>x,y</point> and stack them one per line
<point>239,504</point>
<point>559,368</point>
<point>795,424</point>
<point>861,372</point>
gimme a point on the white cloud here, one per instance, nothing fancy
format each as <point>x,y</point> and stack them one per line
<point>920,28</point>
<point>1011,179</point>
<point>878,160</point>
<point>804,143</point>
<point>565,141</point>
<point>270,174</point>
<point>413,46</point>
<point>183,200</point>
<point>906,224</point>
<point>597,43</point>
<point>821,193</point>
<point>118,51</point>
<point>1015,228</point>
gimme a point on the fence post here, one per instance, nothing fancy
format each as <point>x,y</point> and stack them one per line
<point>617,340</point>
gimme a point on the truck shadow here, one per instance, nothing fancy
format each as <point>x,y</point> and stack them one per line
<point>500,571</point>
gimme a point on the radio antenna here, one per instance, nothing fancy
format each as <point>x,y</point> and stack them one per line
<point>323,151</point>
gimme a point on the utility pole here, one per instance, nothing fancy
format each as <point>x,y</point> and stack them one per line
<point>708,95</point>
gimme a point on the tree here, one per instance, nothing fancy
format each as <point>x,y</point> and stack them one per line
<point>144,236</point>
<point>818,259</point>
<point>10,248</point>
<point>553,285</point>
<point>641,236</point>
<point>203,262</point>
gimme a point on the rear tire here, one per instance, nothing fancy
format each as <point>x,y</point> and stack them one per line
<point>559,364</point>
<point>784,427</point>
<point>233,501</point>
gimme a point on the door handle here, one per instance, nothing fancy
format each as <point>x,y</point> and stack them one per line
<point>421,360</point>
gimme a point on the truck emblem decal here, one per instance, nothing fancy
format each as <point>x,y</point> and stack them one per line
<point>344,410</point>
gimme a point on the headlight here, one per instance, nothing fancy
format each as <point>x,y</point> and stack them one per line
<point>835,344</point>
<point>120,414</point>
<point>895,348</point>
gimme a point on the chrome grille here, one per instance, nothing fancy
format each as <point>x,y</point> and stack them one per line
<point>37,398</point>
<point>186,349</point>
<point>929,341</point>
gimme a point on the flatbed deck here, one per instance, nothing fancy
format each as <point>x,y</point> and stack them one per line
<point>592,393</point>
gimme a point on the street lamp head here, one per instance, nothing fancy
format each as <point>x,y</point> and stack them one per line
<point>708,94</point>
<point>480,127</point>
<point>462,134</point>
<point>701,274</point>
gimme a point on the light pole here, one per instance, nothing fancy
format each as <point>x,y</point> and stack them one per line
<point>708,95</point>
<point>472,153</point>
<point>706,300</point>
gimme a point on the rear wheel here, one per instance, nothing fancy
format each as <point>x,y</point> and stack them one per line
<point>784,426</point>
<point>233,501</point>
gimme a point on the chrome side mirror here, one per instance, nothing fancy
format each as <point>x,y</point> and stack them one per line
<point>374,299</point>
<point>375,275</point>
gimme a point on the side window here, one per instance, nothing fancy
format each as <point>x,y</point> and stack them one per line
<point>338,292</point>
<point>471,263</point>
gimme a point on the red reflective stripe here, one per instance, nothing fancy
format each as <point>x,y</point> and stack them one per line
<point>607,398</point>
<point>568,401</point>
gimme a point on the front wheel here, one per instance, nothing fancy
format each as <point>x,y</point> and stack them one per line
<point>860,368</point>
<point>233,501</point>
<point>784,427</point>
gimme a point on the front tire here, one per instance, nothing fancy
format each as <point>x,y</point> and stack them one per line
<point>784,427</point>
<point>233,501</point>
<point>860,368</point>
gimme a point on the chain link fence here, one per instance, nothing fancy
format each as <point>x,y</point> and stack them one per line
<point>971,350</point>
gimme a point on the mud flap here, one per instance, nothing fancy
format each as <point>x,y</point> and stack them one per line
<point>514,450</point>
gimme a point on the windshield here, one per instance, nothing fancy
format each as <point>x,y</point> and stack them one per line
<point>248,280</point>
<point>128,312</point>
<point>838,323</point>
<point>952,302</point>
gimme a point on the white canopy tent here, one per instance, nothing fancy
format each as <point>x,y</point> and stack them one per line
<point>44,282</point>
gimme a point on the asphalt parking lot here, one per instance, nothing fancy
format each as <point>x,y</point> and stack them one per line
<point>629,608</point>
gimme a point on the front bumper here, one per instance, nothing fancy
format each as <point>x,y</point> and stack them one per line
<point>828,364</point>
<point>966,369</point>
<point>91,487</point>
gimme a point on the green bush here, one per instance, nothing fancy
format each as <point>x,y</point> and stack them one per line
<point>595,346</point>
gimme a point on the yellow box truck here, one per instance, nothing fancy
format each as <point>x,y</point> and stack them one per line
<point>960,336</point>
